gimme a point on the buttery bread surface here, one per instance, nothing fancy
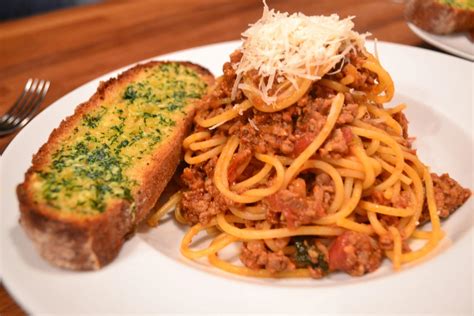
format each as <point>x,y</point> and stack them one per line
<point>103,169</point>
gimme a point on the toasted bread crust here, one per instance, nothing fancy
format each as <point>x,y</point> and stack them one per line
<point>438,18</point>
<point>89,242</point>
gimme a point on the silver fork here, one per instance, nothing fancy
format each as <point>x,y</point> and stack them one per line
<point>25,107</point>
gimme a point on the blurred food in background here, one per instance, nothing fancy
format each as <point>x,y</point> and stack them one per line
<point>441,16</point>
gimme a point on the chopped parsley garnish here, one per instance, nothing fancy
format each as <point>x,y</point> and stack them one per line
<point>130,94</point>
<point>92,121</point>
<point>303,258</point>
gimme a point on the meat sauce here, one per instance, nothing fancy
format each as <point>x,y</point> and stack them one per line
<point>308,197</point>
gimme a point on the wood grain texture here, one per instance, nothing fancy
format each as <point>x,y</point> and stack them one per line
<point>72,46</point>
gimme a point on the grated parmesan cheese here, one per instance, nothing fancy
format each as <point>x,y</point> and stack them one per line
<point>253,124</point>
<point>282,47</point>
<point>217,125</point>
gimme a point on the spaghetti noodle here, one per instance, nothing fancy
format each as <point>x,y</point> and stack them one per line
<point>308,173</point>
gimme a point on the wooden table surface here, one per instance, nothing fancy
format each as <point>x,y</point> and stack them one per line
<point>72,46</point>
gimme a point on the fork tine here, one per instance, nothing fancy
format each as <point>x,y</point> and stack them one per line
<point>28,102</point>
<point>41,93</point>
<point>18,101</point>
<point>25,106</point>
<point>30,105</point>
<point>30,93</point>
<point>35,91</point>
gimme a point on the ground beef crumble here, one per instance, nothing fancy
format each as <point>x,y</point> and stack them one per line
<point>449,196</point>
<point>295,208</point>
<point>202,200</point>
<point>254,255</point>
<point>354,253</point>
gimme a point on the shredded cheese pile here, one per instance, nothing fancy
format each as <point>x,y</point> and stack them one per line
<point>283,47</point>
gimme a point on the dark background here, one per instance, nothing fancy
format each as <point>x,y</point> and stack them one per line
<point>11,9</point>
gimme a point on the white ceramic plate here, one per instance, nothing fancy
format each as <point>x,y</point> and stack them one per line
<point>150,275</point>
<point>457,44</point>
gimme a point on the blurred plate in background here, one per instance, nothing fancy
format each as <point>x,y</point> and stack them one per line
<point>457,44</point>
